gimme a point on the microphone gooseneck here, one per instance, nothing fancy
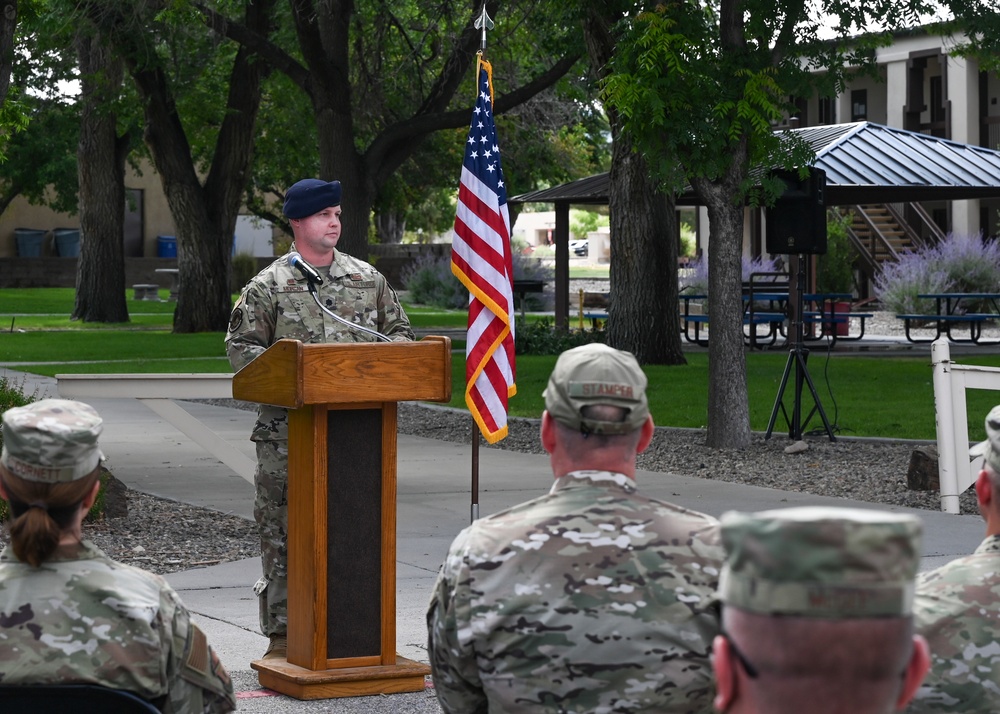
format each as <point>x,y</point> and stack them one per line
<point>338,318</point>
<point>314,278</point>
<point>308,272</point>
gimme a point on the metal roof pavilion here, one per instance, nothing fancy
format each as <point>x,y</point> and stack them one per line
<point>864,163</point>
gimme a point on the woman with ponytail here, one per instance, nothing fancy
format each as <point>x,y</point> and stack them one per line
<point>69,614</point>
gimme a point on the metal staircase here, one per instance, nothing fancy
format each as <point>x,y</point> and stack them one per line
<point>879,233</point>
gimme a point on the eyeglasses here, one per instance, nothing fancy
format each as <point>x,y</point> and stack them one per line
<point>751,671</point>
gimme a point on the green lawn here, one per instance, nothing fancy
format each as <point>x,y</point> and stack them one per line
<point>889,397</point>
<point>50,308</point>
<point>863,395</point>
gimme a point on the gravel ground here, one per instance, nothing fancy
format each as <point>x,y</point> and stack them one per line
<point>164,536</point>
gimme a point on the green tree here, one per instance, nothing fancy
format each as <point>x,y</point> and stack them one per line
<point>40,125</point>
<point>380,79</point>
<point>642,314</point>
<point>40,160</point>
<point>200,100</point>
<point>979,22</point>
<point>8,29</point>
<point>101,151</point>
<point>699,85</point>
<point>13,115</point>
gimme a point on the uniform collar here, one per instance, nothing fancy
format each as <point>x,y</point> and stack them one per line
<point>609,480</point>
<point>84,550</point>
<point>990,545</point>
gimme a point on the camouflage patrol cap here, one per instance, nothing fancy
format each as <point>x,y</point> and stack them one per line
<point>596,374</point>
<point>990,449</point>
<point>820,562</point>
<point>51,441</point>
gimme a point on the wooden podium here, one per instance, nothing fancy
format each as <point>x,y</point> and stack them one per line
<point>342,507</point>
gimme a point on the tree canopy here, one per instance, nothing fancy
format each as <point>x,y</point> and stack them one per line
<point>700,86</point>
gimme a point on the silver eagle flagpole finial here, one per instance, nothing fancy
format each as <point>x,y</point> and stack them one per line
<point>484,23</point>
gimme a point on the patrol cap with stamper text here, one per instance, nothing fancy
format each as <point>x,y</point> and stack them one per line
<point>990,448</point>
<point>821,562</point>
<point>596,374</point>
<point>309,196</point>
<point>51,441</point>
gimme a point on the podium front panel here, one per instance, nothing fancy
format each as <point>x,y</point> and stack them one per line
<point>354,533</point>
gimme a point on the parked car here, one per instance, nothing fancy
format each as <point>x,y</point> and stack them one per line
<point>579,247</point>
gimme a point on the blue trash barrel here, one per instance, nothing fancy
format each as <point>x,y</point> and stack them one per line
<point>67,242</point>
<point>166,246</point>
<point>30,242</point>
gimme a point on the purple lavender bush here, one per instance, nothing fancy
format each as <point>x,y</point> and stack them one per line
<point>694,278</point>
<point>429,281</point>
<point>959,263</point>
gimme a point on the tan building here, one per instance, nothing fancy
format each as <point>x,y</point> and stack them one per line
<point>27,230</point>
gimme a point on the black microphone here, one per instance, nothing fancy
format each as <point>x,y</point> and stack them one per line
<point>309,272</point>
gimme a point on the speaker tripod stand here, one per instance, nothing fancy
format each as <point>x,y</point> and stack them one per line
<point>798,356</point>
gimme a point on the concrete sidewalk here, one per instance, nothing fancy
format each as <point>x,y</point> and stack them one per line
<point>148,455</point>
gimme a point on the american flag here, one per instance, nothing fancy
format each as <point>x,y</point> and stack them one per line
<point>481,259</point>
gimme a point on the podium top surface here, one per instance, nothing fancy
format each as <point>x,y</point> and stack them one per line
<point>293,374</point>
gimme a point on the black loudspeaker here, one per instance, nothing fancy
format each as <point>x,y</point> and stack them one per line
<point>796,224</point>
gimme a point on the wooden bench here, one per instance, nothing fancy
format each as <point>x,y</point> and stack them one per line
<point>146,291</point>
<point>943,324</point>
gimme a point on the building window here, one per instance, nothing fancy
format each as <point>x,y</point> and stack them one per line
<point>937,99</point>
<point>801,114</point>
<point>827,111</point>
<point>859,104</point>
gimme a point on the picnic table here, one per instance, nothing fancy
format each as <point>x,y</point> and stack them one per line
<point>821,309</point>
<point>523,287</point>
<point>952,310</point>
<point>772,319</point>
<point>770,309</point>
<point>175,281</point>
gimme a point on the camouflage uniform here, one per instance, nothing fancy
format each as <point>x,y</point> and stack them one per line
<point>592,598</point>
<point>83,618</point>
<point>957,611</point>
<point>276,305</point>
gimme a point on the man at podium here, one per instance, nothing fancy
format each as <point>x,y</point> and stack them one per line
<point>279,304</point>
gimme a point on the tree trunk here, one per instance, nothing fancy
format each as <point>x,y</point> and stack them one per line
<point>642,314</point>
<point>8,28</point>
<point>100,271</point>
<point>728,407</point>
<point>205,216</point>
<point>389,226</point>
<point>338,159</point>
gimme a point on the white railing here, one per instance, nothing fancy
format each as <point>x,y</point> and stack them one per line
<point>955,470</point>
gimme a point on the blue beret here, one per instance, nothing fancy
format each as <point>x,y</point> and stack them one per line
<point>310,196</point>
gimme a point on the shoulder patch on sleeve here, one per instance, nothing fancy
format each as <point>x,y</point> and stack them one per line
<point>236,319</point>
<point>197,656</point>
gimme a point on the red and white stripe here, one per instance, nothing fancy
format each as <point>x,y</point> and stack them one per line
<point>481,259</point>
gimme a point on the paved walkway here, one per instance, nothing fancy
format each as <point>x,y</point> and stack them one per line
<point>148,455</point>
